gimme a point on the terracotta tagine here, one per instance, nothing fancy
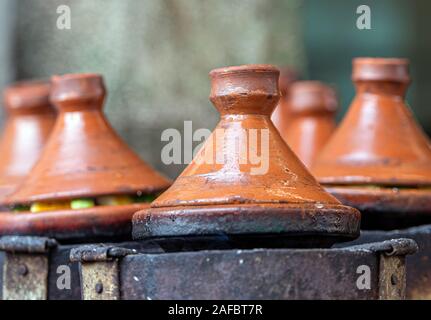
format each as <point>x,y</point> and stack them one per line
<point>245,183</point>
<point>312,107</point>
<point>379,159</point>
<point>87,182</point>
<point>282,115</point>
<point>29,120</point>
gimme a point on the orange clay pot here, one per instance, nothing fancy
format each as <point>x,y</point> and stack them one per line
<point>379,159</point>
<point>224,192</point>
<point>83,158</point>
<point>312,119</point>
<point>282,115</point>
<point>30,118</point>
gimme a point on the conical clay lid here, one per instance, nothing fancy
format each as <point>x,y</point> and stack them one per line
<point>84,158</point>
<point>29,120</point>
<point>245,179</point>
<point>281,115</point>
<point>379,158</point>
<point>312,105</point>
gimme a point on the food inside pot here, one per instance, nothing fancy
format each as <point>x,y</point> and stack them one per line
<point>83,203</point>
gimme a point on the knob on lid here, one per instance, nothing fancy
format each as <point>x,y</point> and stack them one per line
<point>28,97</point>
<point>381,69</point>
<point>312,96</point>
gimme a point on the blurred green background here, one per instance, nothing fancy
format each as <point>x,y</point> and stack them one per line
<point>156,54</point>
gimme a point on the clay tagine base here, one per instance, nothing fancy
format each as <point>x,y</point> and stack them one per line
<point>271,225</point>
<point>97,223</point>
<point>387,208</point>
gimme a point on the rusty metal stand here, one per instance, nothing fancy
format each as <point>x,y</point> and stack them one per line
<point>370,271</point>
<point>418,265</point>
<point>38,268</point>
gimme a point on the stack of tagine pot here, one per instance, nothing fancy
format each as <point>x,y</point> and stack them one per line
<point>311,118</point>
<point>245,192</point>
<point>29,120</point>
<point>85,187</point>
<point>379,161</point>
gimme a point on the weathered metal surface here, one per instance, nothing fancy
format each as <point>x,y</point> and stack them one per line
<point>100,281</point>
<point>418,266</point>
<point>25,244</point>
<point>25,277</point>
<point>99,252</point>
<point>392,277</point>
<point>25,267</point>
<point>259,273</point>
<point>63,278</point>
<point>100,276</point>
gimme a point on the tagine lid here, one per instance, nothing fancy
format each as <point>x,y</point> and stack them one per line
<point>221,188</point>
<point>84,157</point>
<point>28,97</point>
<point>30,118</point>
<point>378,142</point>
<point>312,97</point>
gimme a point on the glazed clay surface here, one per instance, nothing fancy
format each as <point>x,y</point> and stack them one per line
<point>223,190</point>
<point>83,157</point>
<point>312,107</point>
<point>378,141</point>
<point>379,159</point>
<point>282,115</point>
<point>29,120</point>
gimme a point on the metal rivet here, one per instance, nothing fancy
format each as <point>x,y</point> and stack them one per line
<point>394,280</point>
<point>22,270</point>
<point>99,288</point>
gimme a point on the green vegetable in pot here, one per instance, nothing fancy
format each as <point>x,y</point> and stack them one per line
<point>145,198</point>
<point>82,203</point>
<point>20,208</point>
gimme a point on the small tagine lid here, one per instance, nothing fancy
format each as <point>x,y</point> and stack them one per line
<point>378,142</point>
<point>84,157</point>
<point>244,173</point>
<point>308,97</point>
<point>30,118</point>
